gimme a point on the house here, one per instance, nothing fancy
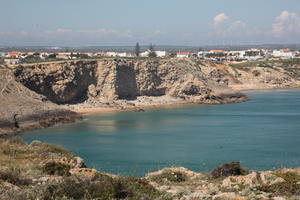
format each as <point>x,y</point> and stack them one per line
<point>14,54</point>
<point>253,54</point>
<point>124,54</point>
<point>11,61</point>
<point>201,54</point>
<point>161,53</point>
<point>111,54</point>
<point>144,54</point>
<point>2,54</point>
<point>63,55</point>
<point>283,53</point>
<point>183,55</point>
<point>216,55</point>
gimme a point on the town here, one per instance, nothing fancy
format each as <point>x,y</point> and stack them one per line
<point>253,54</point>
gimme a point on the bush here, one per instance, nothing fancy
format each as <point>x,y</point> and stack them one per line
<point>103,187</point>
<point>169,175</point>
<point>136,188</point>
<point>289,187</point>
<point>47,149</point>
<point>16,140</point>
<point>255,73</point>
<point>13,176</point>
<point>56,168</point>
<point>229,169</point>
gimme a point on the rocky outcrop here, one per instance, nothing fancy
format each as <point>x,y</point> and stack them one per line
<point>22,109</point>
<point>183,184</point>
<point>59,82</point>
<point>255,75</point>
<point>116,79</point>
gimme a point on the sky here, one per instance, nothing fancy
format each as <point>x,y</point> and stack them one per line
<point>161,22</point>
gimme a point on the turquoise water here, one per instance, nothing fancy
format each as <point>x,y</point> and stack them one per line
<point>263,134</point>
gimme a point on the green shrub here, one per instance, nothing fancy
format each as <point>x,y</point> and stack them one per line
<point>136,188</point>
<point>48,149</point>
<point>13,176</point>
<point>229,169</point>
<point>290,187</point>
<point>56,168</point>
<point>170,176</point>
<point>16,140</point>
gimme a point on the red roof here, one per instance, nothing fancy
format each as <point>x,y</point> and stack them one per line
<point>14,53</point>
<point>286,50</point>
<point>217,51</point>
<point>183,53</point>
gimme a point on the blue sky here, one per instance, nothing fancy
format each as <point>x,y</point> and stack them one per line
<point>162,22</point>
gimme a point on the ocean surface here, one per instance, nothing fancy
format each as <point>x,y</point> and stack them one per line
<point>263,134</point>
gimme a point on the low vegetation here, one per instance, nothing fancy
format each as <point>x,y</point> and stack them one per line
<point>284,63</point>
<point>36,171</point>
<point>46,172</point>
<point>169,176</point>
<point>289,187</point>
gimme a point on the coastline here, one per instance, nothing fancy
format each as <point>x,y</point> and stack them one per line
<point>79,113</point>
<point>142,108</point>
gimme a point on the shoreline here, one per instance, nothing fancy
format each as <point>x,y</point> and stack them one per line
<point>82,112</point>
<point>142,108</point>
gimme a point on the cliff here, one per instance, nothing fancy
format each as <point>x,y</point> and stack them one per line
<point>22,109</point>
<point>124,79</point>
<point>49,91</point>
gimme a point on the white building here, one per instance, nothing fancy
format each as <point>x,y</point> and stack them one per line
<point>283,53</point>
<point>161,53</point>
<point>111,54</point>
<point>144,54</point>
<point>183,55</point>
<point>201,54</point>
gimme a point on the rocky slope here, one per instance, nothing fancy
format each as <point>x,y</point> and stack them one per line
<point>257,74</point>
<point>23,109</point>
<point>45,171</point>
<point>111,80</point>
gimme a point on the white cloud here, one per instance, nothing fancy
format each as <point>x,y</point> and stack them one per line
<point>226,28</point>
<point>286,15</point>
<point>286,24</point>
<point>220,18</point>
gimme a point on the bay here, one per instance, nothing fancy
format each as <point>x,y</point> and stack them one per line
<point>263,134</point>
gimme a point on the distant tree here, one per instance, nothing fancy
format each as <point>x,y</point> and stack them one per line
<point>137,50</point>
<point>152,53</point>
<point>52,55</point>
<point>36,54</point>
<point>83,55</point>
<point>173,54</point>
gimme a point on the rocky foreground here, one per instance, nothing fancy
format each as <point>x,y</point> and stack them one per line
<point>43,94</point>
<point>45,171</point>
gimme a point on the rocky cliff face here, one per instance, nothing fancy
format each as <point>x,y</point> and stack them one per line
<point>33,91</point>
<point>59,82</point>
<point>23,109</point>
<point>256,75</point>
<point>115,79</point>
